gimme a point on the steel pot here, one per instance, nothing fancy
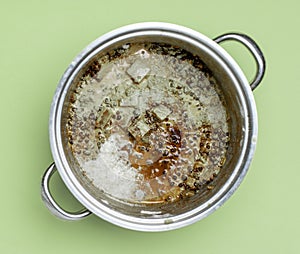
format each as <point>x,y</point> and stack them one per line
<point>243,131</point>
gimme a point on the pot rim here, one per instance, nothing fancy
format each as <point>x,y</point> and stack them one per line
<point>250,125</point>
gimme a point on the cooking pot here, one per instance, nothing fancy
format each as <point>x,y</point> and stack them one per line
<point>148,86</point>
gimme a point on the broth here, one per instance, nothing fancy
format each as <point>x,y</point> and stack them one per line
<point>148,123</point>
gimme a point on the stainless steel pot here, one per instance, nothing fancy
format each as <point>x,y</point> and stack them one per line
<point>243,120</point>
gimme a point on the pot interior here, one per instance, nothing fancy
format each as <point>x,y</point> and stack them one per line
<point>152,126</point>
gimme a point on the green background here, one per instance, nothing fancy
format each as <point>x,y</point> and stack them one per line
<point>39,39</point>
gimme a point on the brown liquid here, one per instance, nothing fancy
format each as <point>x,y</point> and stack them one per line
<point>164,152</point>
<point>148,125</point>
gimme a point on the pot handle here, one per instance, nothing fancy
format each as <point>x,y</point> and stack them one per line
<point>50,203</point>
<point>251,45</point>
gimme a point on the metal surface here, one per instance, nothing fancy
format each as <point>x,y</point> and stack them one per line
<point>255,51</point>
<point>54,208</point>
<point>238,89</point>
